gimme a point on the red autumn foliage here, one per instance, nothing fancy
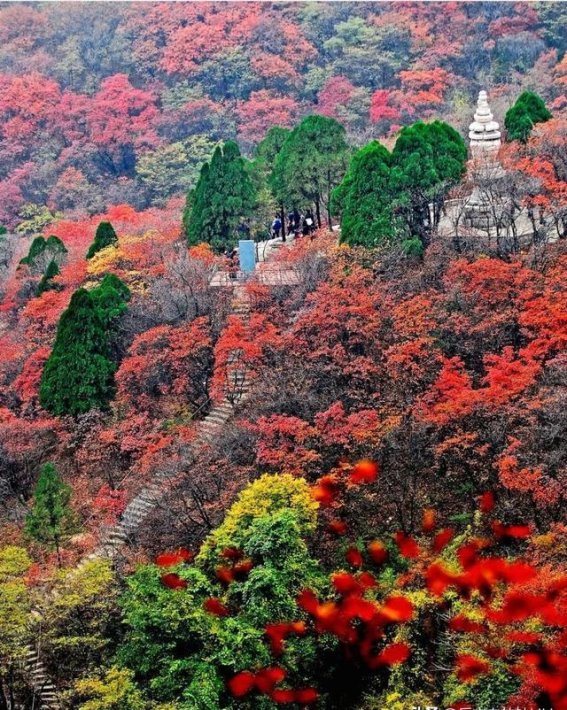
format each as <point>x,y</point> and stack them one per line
<point>170,559</point>
<point>364,472</point>
<point>214,606</point>
<point>469,667</point>
<point>408,546</point>
<point>173,581</point>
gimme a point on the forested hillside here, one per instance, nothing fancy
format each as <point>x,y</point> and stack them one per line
<point>338,481</point>
<point>100,108</point>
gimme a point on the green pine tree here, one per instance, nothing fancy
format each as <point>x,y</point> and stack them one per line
<point>223,197</point>
<point>364,198</point>
<point>264,160</point>
<point>110,298</point>
<point>427,161</point>
<point>78,375</point>
<point>50,518</point>
<point>520,119</point>
<point>400,195</point>
<point>310,164</point>
<point>42,252</point>
<point>45,283</point>
<point>268,148</point>
<point>104,237</point>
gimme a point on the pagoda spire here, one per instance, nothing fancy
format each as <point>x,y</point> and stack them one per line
<point>485,208</point>
<point>484,131</point>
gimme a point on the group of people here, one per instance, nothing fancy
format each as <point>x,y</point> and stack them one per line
<point>297,224</point>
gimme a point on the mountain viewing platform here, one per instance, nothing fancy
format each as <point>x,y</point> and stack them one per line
<point>266,271</point>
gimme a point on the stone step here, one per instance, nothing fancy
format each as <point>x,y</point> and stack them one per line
<point>138,504</point>
<point>150,494</point>
<point>117,536</point>
<point>218,414</point>
<point>138,512</point>
<point>141,510</point>
<point>219,418</point>
<point>131,517</point>
<point>209,433</point>
<point>132,521</point>
<point>209,421</point>
<point>106,550</point>
<point>140,501</point>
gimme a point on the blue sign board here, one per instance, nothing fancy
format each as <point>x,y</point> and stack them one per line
<point>247,252</point>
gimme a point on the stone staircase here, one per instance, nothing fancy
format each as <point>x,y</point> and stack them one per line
<point>43,688</point>
<point>123,532</point>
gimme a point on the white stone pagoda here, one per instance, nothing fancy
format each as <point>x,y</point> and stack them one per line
<point>484,131</point>
<point>483,210</point>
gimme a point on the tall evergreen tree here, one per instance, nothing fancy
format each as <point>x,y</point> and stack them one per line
<point>50,517</point>
<point>44,251</point>
<point>265,157</point>
<point>364,198</point>
<point>520,119</point>
<point>45,283</point>
<point>268,148</point>
<point>104,237</point>
<point>110,298</point>
<point>400,194</point>
<point>223,197</point>
<point>78,375</point>
<point>427,161</point>
<point>310,164</point>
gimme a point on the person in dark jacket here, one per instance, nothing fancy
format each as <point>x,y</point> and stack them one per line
<point>294,222</point>
<point>276,227</point>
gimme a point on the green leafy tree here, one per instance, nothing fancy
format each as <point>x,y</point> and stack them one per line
<point>223,198</point>
<point>520,119</point>
<point>364,198</point>
<point>50,518</point>
<point>310,164</point>
<point>78,375</point>
<point>110,298</point>
<point>163,171</point>
<point>366,54</point>
<point>269,147</point>
<point>174,168</point>
<point>80,623</point>
<point>427,161</point>
<point>400,195</point>
<point>181,653</point>
<point>229,75</point>
<point>35,219</point>
<point>115,691</point>
<point>15,620</point>
<point>105,236</point>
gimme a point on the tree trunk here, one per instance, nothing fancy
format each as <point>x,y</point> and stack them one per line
<point>318,212</point>
<point>3,699</point>
<point>282,217</point>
